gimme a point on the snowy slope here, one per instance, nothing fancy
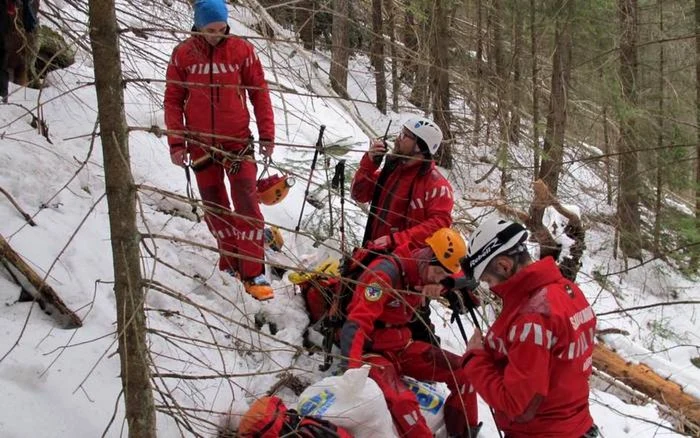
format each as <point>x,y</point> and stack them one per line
<point>71,377</point>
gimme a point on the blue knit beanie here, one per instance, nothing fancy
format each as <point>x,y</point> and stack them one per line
<point>209,11</point>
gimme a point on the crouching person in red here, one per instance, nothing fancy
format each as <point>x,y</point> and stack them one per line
<point>377,332</point>
<point>533,366</point>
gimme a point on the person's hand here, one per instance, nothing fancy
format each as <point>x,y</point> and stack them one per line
<point>266,147</point>
<point>476,342</point>
<point>380,243</point>
<point>377,149</point>
<point>177,155</point>
<point>431,291</point>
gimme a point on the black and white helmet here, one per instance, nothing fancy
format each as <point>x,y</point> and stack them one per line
<point>492,238</point>
<point>426,130</point>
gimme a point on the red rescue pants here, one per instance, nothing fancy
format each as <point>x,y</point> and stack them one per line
<point>241,233</point>
<point>424,361</point>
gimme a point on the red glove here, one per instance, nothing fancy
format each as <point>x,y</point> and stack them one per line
<point>177,155</point>
<point>266,147</point>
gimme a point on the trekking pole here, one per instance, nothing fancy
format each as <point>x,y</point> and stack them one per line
<point>341,169</point>
<point>319,148</point>
<point>188,189</point>
<point>338,182</point>
<point>330,200</point>
<point>457,305</point>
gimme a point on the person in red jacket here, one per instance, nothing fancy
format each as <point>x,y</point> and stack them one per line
<point>376,332</point>
<point>410,199</point>
<point>208,77</point>
<point>533,365</point>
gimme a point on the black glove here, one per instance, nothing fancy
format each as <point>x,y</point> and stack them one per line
<point>460,294</point>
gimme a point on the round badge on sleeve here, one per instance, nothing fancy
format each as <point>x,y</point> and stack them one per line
<point>373,292</point>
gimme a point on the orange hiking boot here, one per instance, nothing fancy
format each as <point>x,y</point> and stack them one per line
<point>259,288</point>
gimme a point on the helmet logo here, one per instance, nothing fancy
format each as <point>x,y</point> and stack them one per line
<point>450,249</point>
<point>484,252</point>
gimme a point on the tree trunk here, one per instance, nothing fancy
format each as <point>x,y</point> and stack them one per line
<point>514,136</point>
<point>606,151</point>
<point>395,84</point>
<point>440,43</point>
<point>40,291</point>
<point>535,92</point>
<point>305,14</point>
<point>419,93</point>
<point>340,53</point>
<point>660,139</point>
<point>125,238</point>
<point>645,380</point>
<point>553,149</point>
<point>697,125</point>
<point>479,80</point>
<point>4,74</point>
<point>496,19</point>
<point>410,42</point>
<point>628,199</point>
<point>377,55</point>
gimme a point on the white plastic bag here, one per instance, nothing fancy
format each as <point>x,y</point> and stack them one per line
<point>431,398</point>
<point>353,401</point>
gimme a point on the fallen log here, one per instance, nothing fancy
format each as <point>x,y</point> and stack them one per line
<point>37,288</point>
<point>646,381</point>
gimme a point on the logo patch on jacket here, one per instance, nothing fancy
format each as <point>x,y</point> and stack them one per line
<point>373,292</point>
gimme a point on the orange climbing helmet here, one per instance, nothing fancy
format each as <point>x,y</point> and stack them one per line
<point>274,188</point>
<point>449,248</point>
<point>273,238</point>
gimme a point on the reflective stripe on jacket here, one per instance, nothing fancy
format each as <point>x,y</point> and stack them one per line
<point>206,93</point>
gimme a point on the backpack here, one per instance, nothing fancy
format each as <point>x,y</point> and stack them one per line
<point>268,417</point>
<point>327,299</point>
<point>322,294</point>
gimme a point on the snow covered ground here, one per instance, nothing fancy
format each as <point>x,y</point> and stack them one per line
<point>57,383</point>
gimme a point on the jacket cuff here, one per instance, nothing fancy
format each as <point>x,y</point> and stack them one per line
<point>468,356</point>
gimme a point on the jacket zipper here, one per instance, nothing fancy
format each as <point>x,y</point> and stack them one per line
<point>211,94</point>
<point>384,211</point>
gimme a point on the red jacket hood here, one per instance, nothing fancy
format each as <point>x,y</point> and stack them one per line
<point>526,281</point>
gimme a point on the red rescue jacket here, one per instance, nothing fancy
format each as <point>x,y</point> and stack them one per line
<point>414,203</point>
<point>537,356</point>
<point>382,306</point>
<point>205,93</point>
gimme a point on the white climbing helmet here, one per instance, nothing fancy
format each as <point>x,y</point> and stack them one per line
<point>426,130</point>
<point>491,238</point>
